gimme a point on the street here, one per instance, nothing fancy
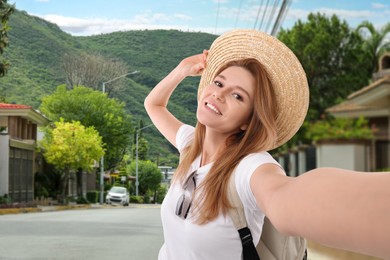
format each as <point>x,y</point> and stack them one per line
<point>105,233</point>
<point>133,233</point>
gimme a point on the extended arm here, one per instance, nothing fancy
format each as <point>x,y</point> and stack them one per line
<point>157,100</point>
<point>335,207</point>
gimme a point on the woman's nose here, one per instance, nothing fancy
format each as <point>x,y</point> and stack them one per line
<point>219,95</point>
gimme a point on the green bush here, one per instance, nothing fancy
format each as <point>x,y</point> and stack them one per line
<point>340,128</point>
<point>92,196</point>
<point>146,199</point>
<point>5,199</point>
<point>82,200</point>
<point>70,199</point>
<point>161,192</point>
<point>41,192</point>
<point>136,199</point>
<point>107,186</point>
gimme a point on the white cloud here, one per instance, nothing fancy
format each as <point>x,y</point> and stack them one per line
<point>345,14</point>
<point>227,19</point>
<point>379,6</point>
<point>183,17</point>
<point>93,26</point>
<point>353,17</point>
<point>221,1</point>
<point>150,18</point>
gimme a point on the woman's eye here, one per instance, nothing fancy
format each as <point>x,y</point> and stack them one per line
<point>237,96</point>
<point>217,83</point>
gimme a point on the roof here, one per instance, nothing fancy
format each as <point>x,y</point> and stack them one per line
<point>13,106</point>
<point>366,100</point>
<point>369,87</point>
<point>23,111</point>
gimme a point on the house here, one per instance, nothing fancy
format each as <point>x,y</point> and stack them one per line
<point>373,103</point>
<point>18,140</point>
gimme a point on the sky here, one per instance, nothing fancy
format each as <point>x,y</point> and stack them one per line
<point>91,17</point>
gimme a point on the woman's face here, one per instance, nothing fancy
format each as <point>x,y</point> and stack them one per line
<point>227,103</point>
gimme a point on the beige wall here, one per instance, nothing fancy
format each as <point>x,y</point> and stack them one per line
<point>348,156</point>
<point>4,164</point>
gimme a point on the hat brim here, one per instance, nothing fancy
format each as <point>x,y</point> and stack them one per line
<point>284,70</point>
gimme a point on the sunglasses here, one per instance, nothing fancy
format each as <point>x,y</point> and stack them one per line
<point>185,200</point>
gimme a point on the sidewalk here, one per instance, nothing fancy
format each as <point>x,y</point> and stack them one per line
<point>320,252</point>
<point>69,207</point>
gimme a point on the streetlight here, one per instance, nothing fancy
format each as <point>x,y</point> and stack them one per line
<point>136,158</point>
<point>121,76</point>
<point>102,158</point>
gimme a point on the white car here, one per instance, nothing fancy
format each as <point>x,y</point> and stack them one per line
<point>118,195</point>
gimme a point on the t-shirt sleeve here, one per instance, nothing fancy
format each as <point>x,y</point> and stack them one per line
<point>184,136</point>
<point>244,172</point>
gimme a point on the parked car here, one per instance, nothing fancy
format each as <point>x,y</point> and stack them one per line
<point>118,195</point>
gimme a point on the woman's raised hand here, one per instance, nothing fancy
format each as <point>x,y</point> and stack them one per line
<point>194,65</point>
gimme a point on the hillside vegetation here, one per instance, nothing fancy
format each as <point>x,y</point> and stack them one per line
<point>37,48</point>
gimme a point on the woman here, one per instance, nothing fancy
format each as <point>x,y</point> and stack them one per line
<point>253,97</point>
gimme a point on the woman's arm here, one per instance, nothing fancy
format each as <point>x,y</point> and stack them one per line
<point>157,100</point>
<point>335,207</point>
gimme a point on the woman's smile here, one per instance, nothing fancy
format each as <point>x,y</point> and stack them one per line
<point>213,107</point>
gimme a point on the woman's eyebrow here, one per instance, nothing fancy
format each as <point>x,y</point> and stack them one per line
<point>236,86</point>
<point>221,76</point>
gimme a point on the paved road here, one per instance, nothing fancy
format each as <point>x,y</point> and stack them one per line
<point>106,233</point>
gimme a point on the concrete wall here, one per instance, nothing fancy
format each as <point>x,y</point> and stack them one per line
<point>302,161</point>
<point>4,164</point>
<point>346,156</point>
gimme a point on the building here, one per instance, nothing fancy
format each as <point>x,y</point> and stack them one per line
<point>373,103</point>
<point>18,157</point>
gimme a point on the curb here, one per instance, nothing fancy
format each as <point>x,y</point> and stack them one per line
<point>42,209</point>
<point>18,210</point>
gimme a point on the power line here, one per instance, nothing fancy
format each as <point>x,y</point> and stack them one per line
<point>238,14</point>
<point>264,13</point>
<point>281,16</point>
<point>271,16</point>
<point>258,13</point>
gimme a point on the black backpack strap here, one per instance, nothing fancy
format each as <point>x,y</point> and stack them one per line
<point>248,248</point>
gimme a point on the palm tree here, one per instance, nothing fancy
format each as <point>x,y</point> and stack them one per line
<point>375,45</point>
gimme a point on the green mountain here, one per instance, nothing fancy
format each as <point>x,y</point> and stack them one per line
<point>37,48</point>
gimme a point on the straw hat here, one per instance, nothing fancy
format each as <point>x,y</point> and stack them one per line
<point>283,68</point>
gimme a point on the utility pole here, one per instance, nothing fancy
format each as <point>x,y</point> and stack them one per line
<point>136,158</point>
<point>102,158</point>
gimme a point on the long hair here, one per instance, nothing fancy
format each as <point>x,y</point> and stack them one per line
<point>259,136</point>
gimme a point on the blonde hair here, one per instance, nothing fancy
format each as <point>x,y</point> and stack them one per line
<point>260,134</point>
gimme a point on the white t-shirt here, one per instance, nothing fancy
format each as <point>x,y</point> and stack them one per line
<point>218,239</point>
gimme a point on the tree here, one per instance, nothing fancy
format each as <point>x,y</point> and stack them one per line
<point>149,176</point>
<point>71,146</point>
<point>143,148</point>
<point>91,70</point>
<point>333,58</point>
<point>5,12</point>
<point>93,108</point>
<point>375,45</point>
<point>143,145</point>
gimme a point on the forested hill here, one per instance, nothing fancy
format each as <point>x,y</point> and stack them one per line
<point>37,48</point>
